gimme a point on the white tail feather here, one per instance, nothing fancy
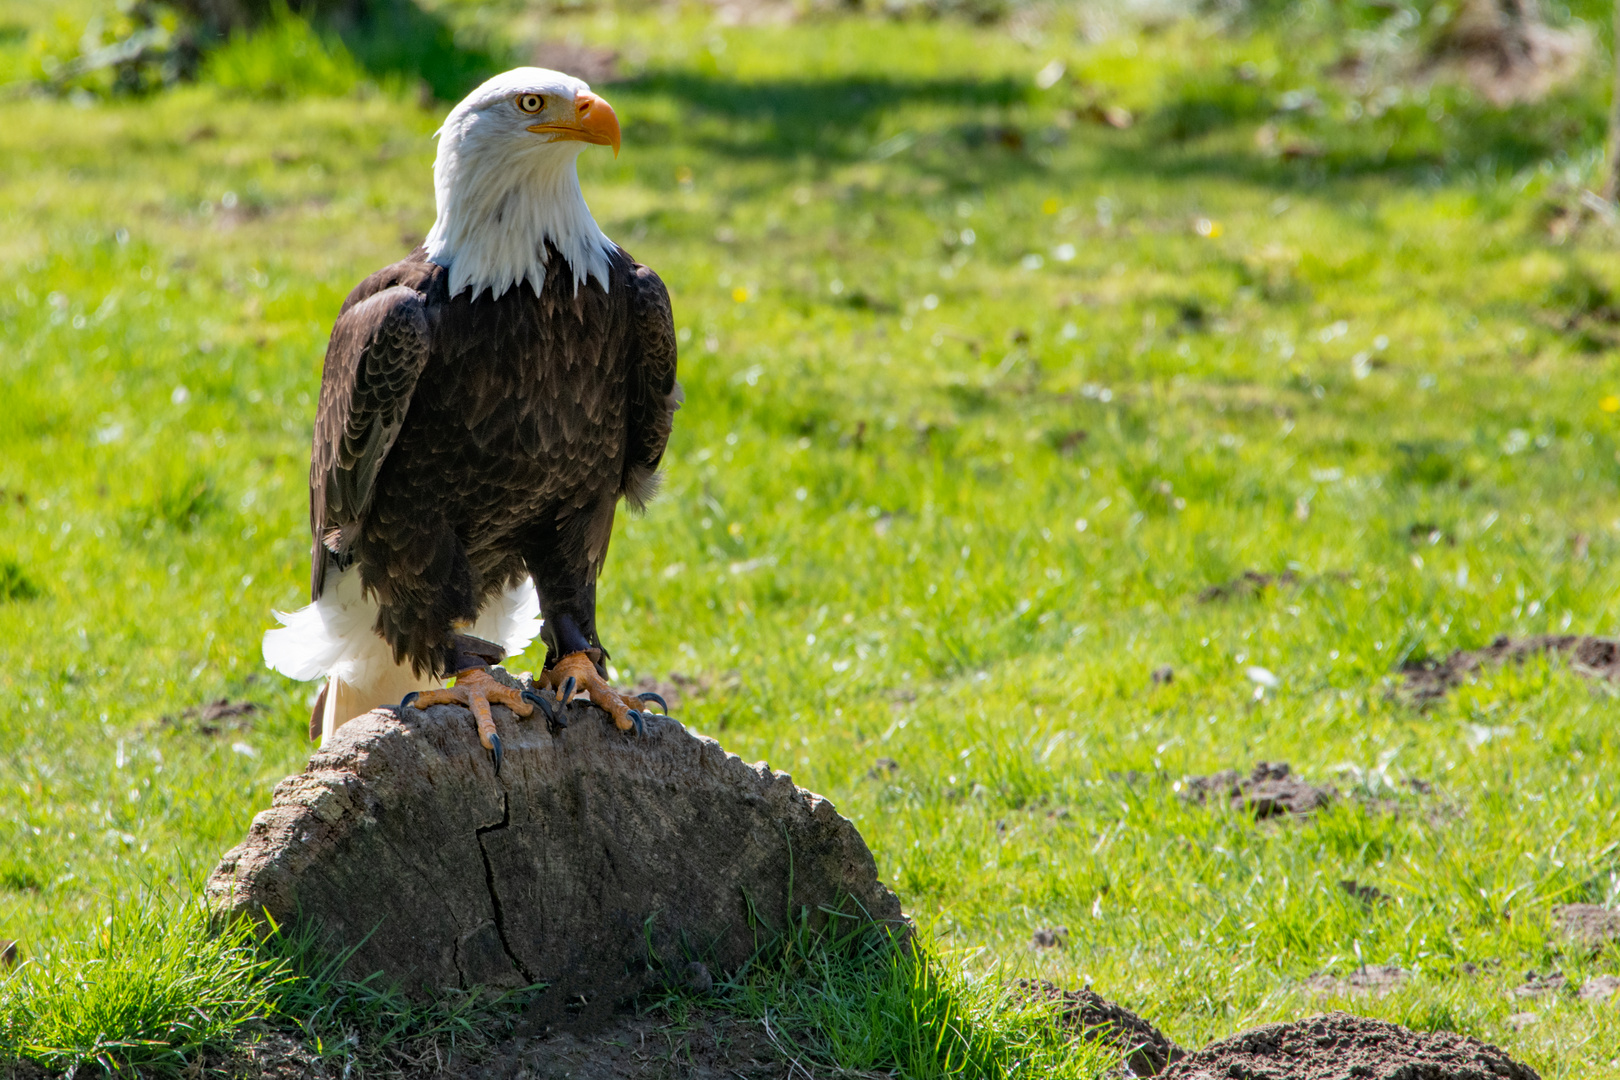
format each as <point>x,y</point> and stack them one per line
<point>512,619</point>
<point>333,638</point>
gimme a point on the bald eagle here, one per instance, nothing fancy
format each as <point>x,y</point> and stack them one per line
<point>485,404</point>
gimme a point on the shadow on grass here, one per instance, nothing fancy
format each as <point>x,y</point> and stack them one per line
<point>980,135</point>
<point>1205,129</point>
<point>832,119</point>
<point>1223,123</point>
<point>398,39</point>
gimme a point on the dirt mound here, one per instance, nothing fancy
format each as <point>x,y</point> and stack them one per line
<point>1593,657</point>
<point>1091,1016</point>
<point>596,862</point>
<point>1338,1045</point>
<point>1590,924</point>
<point>1269,790</point>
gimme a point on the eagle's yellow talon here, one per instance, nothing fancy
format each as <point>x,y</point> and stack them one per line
<point>475,688</point>
<point>579,667</point>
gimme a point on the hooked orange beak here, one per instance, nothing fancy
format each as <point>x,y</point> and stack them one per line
<point>594,123</point>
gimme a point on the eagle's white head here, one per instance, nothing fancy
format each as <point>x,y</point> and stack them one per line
<point>506,183</point>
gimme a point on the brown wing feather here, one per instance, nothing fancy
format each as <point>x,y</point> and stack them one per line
<point>378,349</point>
<point>654,393</point>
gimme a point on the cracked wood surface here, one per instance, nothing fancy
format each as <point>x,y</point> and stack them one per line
<point>399,841</point>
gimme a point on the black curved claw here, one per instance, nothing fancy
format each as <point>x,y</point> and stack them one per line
<point>495,752</point>
<point>566,694</point>
<point>405,702</point>
<point>635,718</point>
<point>648,695</point>
<point>556,717</point>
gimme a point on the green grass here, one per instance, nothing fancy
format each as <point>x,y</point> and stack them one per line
<point>933,318</point>
<point>848,999</point>
<point>150,989</point>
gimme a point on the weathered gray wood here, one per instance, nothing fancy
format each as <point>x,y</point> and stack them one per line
<point>399,839</point>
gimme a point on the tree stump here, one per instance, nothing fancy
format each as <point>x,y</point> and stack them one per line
<point>593,860</point>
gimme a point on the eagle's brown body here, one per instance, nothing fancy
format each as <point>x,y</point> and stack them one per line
<point>464,441</point>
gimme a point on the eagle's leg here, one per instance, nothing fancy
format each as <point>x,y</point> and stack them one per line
<point>563,558</point>
<point>579,670</point>
<point>475,688</point>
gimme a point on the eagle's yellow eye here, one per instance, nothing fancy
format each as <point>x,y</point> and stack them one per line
<point>531,103</point>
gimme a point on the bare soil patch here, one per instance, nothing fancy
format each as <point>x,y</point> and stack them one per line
<point>1375,981</point>
<point>1367,894</point>
<point>214,718</point>
<point>1050,937</point>
<point>707,1046</point>
<point>592,63</point>
<point>1538,985</point>
<point>1507,52</point>
<point>1270,790</point>
<point>1248,583</point>
<point>1602,988</point>
<point>1091,1016</point>
<point>23,1070</point>
<point>883,768</point>
<point>1337,1045</point>
<point>1589,924</point>
<point>1592,657</point>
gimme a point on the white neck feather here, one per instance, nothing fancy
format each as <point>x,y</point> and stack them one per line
<point>499,203</point>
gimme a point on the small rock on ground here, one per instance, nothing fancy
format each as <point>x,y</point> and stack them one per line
<point>1337,1045</point>
<point>1092,1016</point>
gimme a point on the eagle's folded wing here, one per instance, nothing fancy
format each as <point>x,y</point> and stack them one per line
<point>654,393</point>
<point>378,349</point>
